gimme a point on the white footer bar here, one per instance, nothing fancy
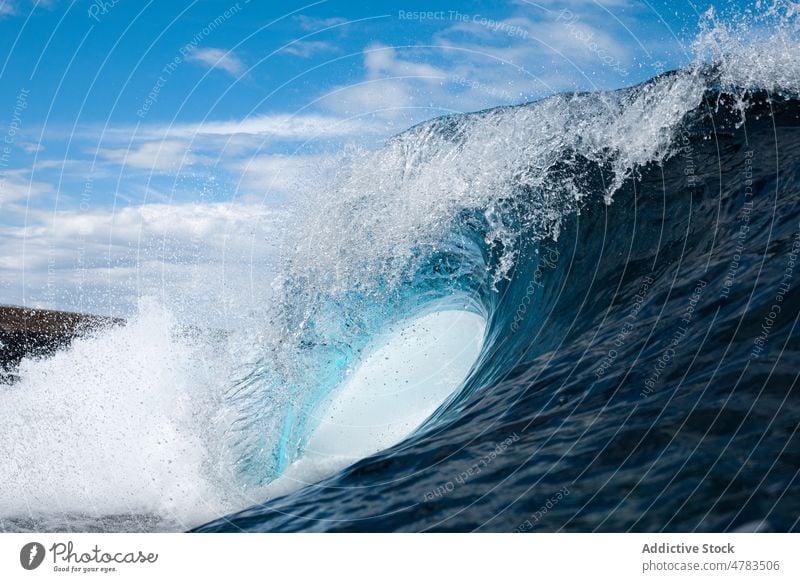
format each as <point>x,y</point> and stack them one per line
<point>414,557</point>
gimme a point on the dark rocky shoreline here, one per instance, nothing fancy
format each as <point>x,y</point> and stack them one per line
<point>39,332</point>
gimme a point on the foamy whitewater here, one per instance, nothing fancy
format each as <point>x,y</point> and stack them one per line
<point>452,339</point>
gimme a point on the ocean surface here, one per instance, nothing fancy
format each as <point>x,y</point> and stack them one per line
<point>577,314</point>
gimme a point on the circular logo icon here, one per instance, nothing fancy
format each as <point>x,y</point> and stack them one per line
<point>31,555</point>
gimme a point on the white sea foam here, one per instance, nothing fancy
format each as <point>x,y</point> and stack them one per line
<point>124,422</point>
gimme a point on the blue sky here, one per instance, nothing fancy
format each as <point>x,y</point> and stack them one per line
<point>145,140</point>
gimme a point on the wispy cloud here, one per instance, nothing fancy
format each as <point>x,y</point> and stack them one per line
<point>309,48</point>
<point>7,8</point>
<point>313,24</point>
<point>254,131</point>
<point>572,4</point>
<point>163,156</point>
<point>12,7</point>
<point>381,60</point>
<point>474,63</point>
<point>15,189</point>
<point>217,58</point>
<point>390,84</point>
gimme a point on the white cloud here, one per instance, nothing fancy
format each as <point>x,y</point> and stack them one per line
<point>217,58</point>
<point>31,148</point>
<point>12,8</point>
<point>314,24</point>
<point>279,126</point>
<point>575,39</point>
<point>477,63</point>
<point>163,156</point>
<point>15,188</point>
<point>308,48</point>
<point>386,98</point>
<point>389,87</point>
<point>573,4</point>
<point>381,60</point>
<point>197,256</point>
<point>170,149</point>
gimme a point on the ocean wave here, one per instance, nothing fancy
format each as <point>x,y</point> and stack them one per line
<point>630,258</point>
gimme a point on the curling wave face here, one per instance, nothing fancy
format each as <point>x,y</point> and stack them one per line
<point>640,367</point>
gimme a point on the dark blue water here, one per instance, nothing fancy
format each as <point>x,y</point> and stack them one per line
<point>639,372</point>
